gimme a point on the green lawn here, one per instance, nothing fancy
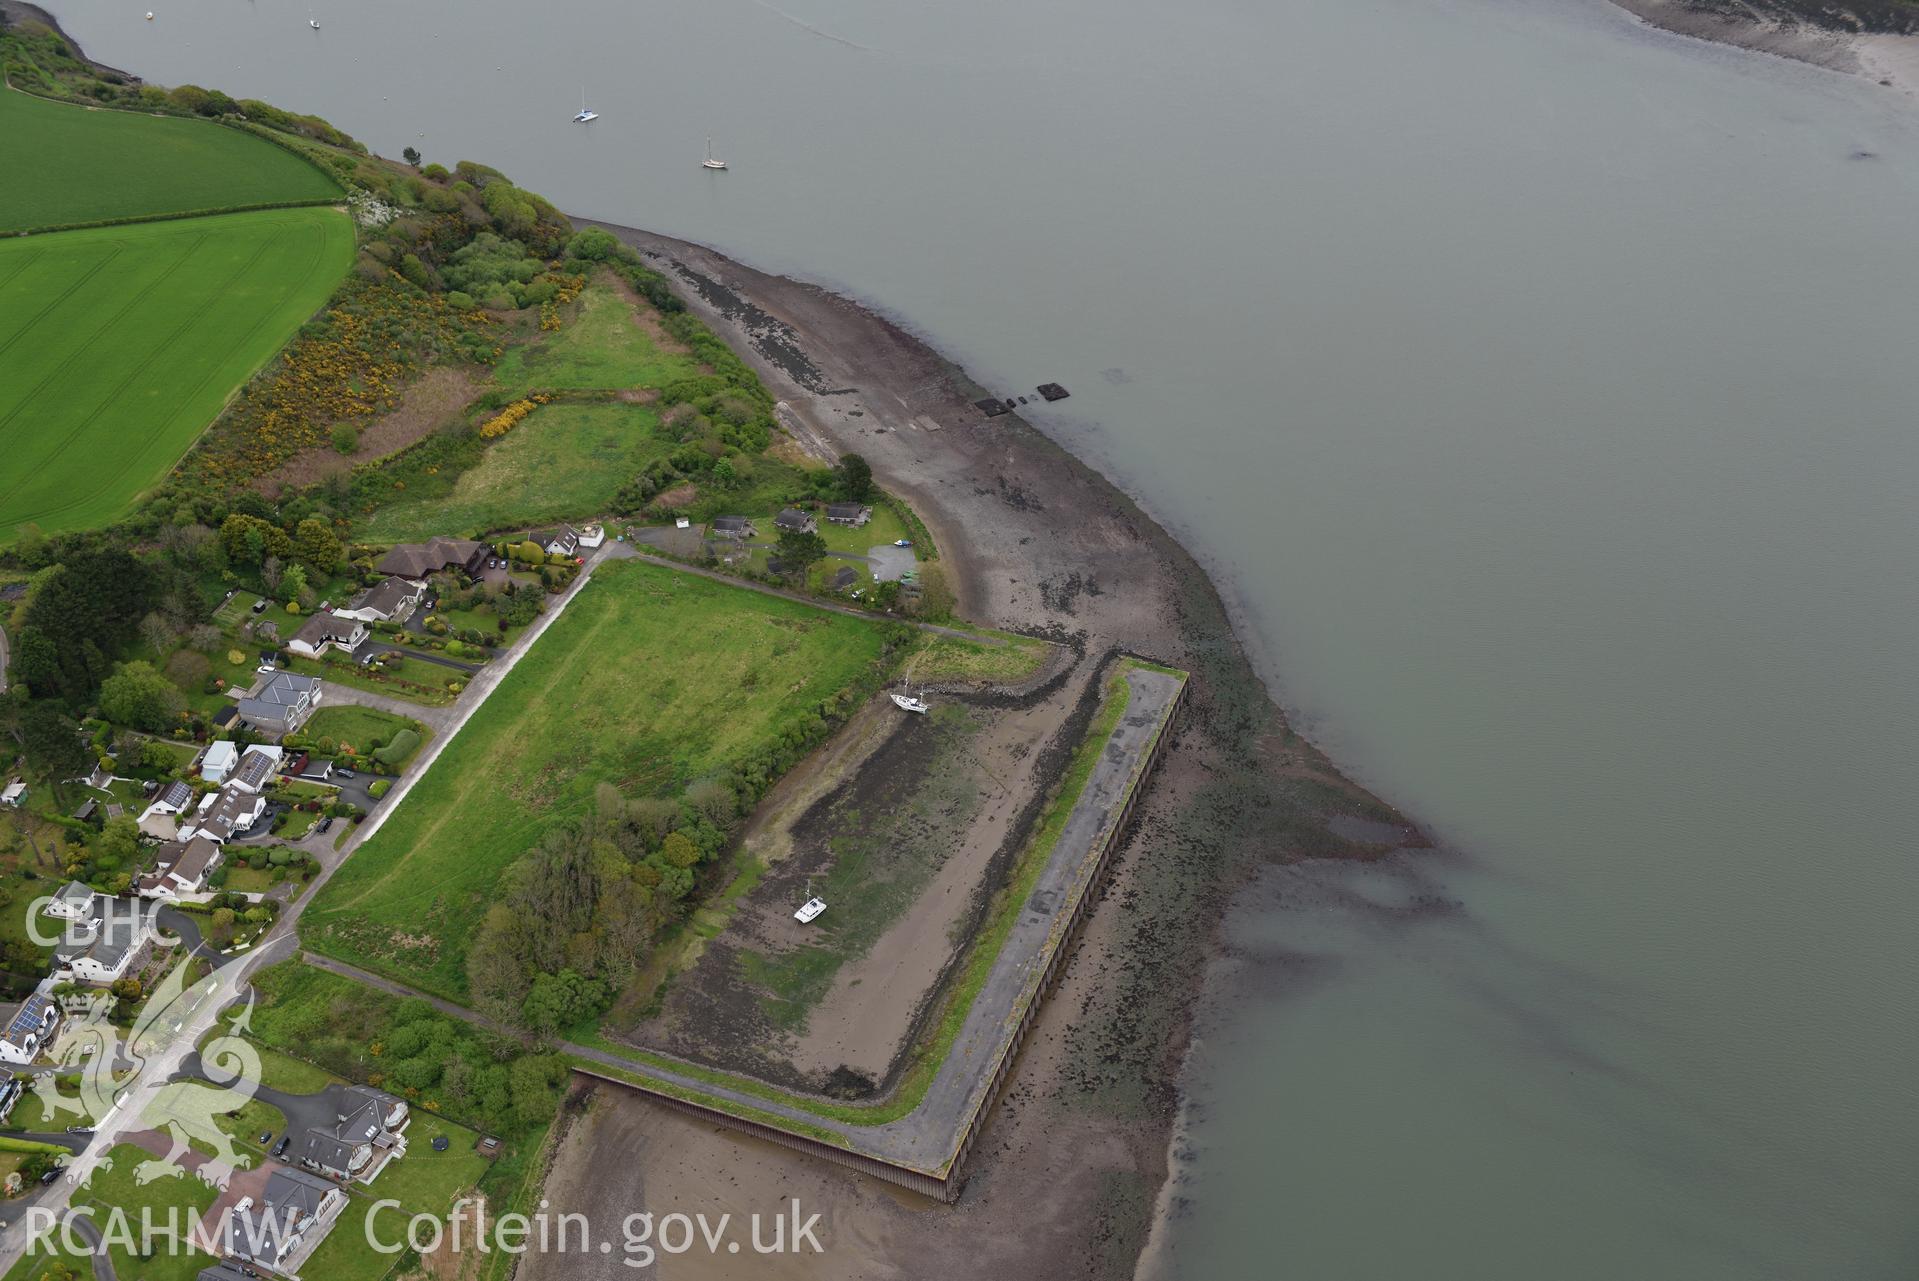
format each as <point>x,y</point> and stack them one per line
<point>423,1182</point>
<point>74,164</point>
<point>650,679</point>
<point>115,1187</point>
<point>563,461</point>
<point>604,348</point>
<point>359,726</point>
<point>119,345</point>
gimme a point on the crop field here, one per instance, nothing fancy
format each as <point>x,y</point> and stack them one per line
<point>563,461</point>
<point>89,164</point>
<point>650,679</point>
<point>118,345</point>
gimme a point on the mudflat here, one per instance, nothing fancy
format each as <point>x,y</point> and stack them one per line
<point>1031,540</point>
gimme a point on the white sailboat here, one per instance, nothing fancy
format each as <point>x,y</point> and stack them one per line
<point>585,116</point>
<point>313,22</point>
<point>908,703</point>
<point>710,162</point>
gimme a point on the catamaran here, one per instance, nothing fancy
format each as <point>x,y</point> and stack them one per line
<point>710,162</point>
<point>585,116</point>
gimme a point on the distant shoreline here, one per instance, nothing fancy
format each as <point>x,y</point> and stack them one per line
<point>1887,58</point>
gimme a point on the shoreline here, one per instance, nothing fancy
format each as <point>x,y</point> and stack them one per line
<point>1041,541</point>
<point>1887,59</point>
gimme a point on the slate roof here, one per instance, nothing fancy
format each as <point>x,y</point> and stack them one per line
<point>417,560</point>
<point>322,628</point>
<point>847,511</point>
<point>386,597</point>
<point>792,518</point>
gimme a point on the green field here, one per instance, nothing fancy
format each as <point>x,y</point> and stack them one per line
<point>120,344</point>
<point>564,461</point>
<point>89,164</point>
<point>651,678</point>
<point>603,349</point>
<point>358,726</point>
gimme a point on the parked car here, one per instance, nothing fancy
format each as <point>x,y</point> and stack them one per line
<point>280,1148</point>
<point>79,1129</point>
<point>52,1174</point>
<point>323,824</point>
<point>902,542</point>
<point>266,669</point>
<point>266,1138</point>
<point>347,773</point>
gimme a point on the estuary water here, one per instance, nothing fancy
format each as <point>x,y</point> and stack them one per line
<point>1542,389</point>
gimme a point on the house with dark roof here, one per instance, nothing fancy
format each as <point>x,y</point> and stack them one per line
<point>257,767</point>
<point>282,1229</point>
<point>30,1027</point>
<point>230,812</point>
<point>102,951</point>
<point>367,1132</point>
<point>735,527</point>
<point>326,631</point>
<point>73,902</point>
<point>224,1270</point>
<point>794,521</point>
<point>854,514</point>
<point>391,600</point>
<point>845,579</point>
<point>281,705</point>
<point>561,541</point>
<point>436,555</point>
<point>180,870</point>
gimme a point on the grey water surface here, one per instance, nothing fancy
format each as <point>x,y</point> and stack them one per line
<point>1543,390</point>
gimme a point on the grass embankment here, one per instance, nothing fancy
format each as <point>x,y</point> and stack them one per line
<point>651,678</point>
<point>119,345</point>
<point>564,461</point>
<point>89,165</point>
<point>949,658</point>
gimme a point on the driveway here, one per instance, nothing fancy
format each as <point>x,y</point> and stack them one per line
<point>435,718</point>
<point>425,656</point>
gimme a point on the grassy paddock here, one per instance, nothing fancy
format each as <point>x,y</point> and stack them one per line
<point>89,164</point>
<point>118,346</point>
<point>652,678</point>
<point>564,461</point>
<point>603,349</point>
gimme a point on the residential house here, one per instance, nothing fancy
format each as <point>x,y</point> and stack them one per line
<point>257,768</point>
<point>392,600</point>
<point>225,1270</point>
<point>845,579</point>
<point>423,560</point>
<point>794,521</point>
<point>14,794</point>
<point>326,631</point>
<point>88,812</point>
<point>283,704</point>
<point>368,1131</point>
<point>738,528</point>
<point>158,818</point>
<point>180,870</point>
<point>232,811</point>
<point>30,1028</point>
<point>854,514</point>
<point>592,536</point>
<point>284,1226</point>
<point>219,761</point>
<point>562,541</point>
<point>102,951</point>
<point>72,902</point>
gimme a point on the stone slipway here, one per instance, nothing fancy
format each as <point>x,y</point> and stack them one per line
<point>927,1148</point>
